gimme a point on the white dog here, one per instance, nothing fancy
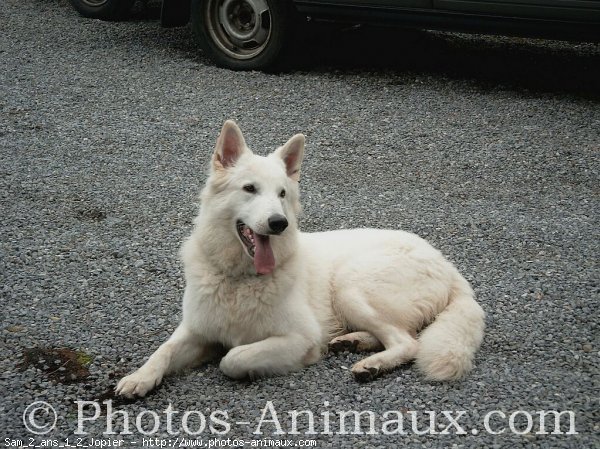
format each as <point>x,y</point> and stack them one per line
<point>274,296</point>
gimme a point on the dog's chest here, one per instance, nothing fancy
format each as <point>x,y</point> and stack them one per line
<point>235,312</point>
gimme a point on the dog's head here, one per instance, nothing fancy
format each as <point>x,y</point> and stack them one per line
<point>255,197</point>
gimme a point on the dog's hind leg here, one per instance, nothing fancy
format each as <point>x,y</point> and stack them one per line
<point>383,326</point>
<point>355,342</point>
<point>400,347</point>
<point>183,349</point>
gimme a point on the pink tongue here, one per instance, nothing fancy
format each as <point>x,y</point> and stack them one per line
<point>264,261</point>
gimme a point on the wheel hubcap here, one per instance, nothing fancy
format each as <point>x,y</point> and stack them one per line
<point>94,2</point>
<point>241,28</point>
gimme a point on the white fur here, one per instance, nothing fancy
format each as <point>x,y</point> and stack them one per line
<point>368,288</point>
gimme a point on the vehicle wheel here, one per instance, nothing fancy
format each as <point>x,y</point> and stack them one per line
<point>103,9</point>
<point>243,34</point>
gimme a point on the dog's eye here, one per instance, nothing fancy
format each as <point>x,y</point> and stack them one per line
<point>282,193</point>
<point>250,188</point>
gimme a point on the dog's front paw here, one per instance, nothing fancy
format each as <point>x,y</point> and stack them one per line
<point>237,363</point>
<point>138,384</point>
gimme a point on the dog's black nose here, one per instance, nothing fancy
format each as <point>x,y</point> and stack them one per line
<point>278,223</point>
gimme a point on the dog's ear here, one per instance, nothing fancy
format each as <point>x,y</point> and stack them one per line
<point>292,153</point>
<point>230,146</point>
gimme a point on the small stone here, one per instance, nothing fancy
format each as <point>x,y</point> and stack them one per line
<point>587,347</point>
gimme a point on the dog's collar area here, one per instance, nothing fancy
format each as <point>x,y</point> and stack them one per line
<point>247,237</point>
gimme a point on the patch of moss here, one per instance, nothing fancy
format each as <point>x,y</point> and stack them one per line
<point>84,359</point>
<point>62,365</point>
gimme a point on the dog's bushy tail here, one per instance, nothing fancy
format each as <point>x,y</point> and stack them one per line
<point>447,346</point>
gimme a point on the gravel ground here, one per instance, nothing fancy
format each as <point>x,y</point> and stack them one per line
<point>488,147</point>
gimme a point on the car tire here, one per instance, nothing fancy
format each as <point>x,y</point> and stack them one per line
<point>103,9</point>
<point>243,34</point>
